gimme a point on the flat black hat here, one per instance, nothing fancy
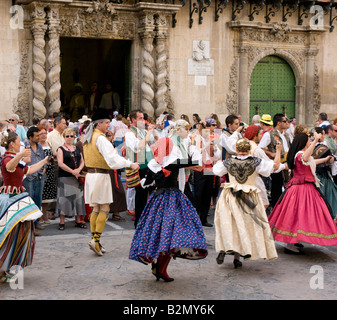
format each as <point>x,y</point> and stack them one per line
<point>100,114</point>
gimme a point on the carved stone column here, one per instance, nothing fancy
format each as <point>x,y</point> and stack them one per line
<point>243,98</point>
<point>161,64</point>
<point>310,80</point>
<point>147,33</point>
<point>39,74</point>
<point>53,59</point>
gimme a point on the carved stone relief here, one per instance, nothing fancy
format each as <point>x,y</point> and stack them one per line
<point>317,96</point>
<point>97,22</point>
<point>295,57</point>
<point>22,106</point>
<point>232,96</point>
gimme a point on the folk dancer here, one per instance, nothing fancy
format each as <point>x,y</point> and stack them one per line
<point>18,210</point>
<point>241,223</point>
<point>302,214</point>
<point>169,225</point>
<point>100,157</point>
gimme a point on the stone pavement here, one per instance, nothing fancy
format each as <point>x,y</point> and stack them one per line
<point>65,269</point>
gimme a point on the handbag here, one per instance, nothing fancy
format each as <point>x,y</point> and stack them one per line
<point>132,178</point>
<point>81,179</point>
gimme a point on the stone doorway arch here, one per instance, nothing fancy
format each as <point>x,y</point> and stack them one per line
<point>145,24</point>
<point>298,48</point>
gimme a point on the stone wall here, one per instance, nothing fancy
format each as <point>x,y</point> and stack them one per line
<point>9,60</point>
<point>327,69</point>
<point>220,94</point>
<point>228,54</point>
<point>210,94</point>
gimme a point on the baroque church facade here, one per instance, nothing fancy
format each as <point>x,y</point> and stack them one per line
<point>180,56</point>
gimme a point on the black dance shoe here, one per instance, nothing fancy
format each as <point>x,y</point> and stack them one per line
<point>206,224</point>
<point>220,258</point>
<point>161,276</point>
<point>287,251</point>
<point>154,269</point>
<point>237,263</point>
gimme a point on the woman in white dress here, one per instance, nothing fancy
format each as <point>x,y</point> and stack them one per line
<point>241,223</point>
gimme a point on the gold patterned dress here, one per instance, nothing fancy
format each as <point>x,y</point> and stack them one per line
<point>241,223</point>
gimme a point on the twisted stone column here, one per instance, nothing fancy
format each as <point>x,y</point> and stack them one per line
<point>147,76</point>
<point>146,34</point>
<point>39,74</point>
<point>161,67</point>
<point>54,69</point>
<point>161,64</point>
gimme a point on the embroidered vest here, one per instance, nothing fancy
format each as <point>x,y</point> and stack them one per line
<point>274,138</point>
<point>241,169</point>
<point>331,144</point>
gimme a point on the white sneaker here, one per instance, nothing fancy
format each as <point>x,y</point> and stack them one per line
<point>92,246</point>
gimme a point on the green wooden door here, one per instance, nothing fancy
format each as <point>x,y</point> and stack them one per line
<point>272,88</point>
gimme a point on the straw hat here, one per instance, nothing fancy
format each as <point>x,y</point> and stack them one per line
<point>266,118</point>
<point>84,118</point>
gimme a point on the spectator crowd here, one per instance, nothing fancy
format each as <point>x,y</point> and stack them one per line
<point>58,187</point>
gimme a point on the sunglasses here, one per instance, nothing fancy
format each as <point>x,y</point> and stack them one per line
<point>11,120</point>
<point>69,136</point>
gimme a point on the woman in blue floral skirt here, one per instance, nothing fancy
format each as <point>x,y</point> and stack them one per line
<point>169,225</point>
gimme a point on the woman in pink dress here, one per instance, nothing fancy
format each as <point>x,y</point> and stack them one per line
<point>302,214</point>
